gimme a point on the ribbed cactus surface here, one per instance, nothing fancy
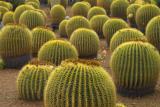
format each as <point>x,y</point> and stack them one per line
<point>8,18</point>
<point>6,4</point>
<point>3,10</point>
<point>61,2</point>
<point>34,4</point>
<point>62,28</point>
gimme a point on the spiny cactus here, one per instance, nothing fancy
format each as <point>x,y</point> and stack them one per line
<point>56,51</point>
<point>80,8</point>
<point>80,84</point>
<point>3,10</point>
<point>62,28</point>
<point>97,23</point>
<point>6,4</point>
<point>153,32</point>
<point>96,11</point>
<point>35,5</point>
<point>144,14</point>
<point>119,9</point>
<point>41,35</point>
<point>131,14</point>
<point>135,67</point>
<point>8,18</point>
<point>35,1</point>
<point>32,80</point>
<point>111,26</point>
<point>64,3</point>
<point>92,2</point>
<point>15,45</point>
<point>126,35</point>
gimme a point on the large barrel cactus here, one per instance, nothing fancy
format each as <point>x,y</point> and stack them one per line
<point>8,18</point>
<point>135,67</point>
<point>92,2</point>
<point>86,41</point>
<point>75,23</point>
<point>144,14</point>
<point>97,23</point>
<point>56,51</point>
<point>32,80</point>
<point>15,45</point>
<point>153,32</point>
<point>126,35</point>
<point>40,35</point>
<point>62,28</point>
<point>80,84</point>
<point>111,26</point>
<point>3,10</point>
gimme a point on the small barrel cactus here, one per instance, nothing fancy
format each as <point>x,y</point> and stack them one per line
<point>32,80</point>
<point>119,9</point>
<point>153,32</point>
<point>126,35</point>
<point>111,26</point>
<point>7,18</point>
<point>40,35</point>
<point>135,67</point>
<point>64,3</point>
<point>15,45</point>
<point>35,5</point>
<point>91,2</point>
<point>131,14</point>
<point>3,10</point>
<point>56,51</point>
<point>80,84</point>
<point>62,28</point>
<point>32,19</point>
<point>97,23</point>
<point>75,23</point>
<point>96,11</point>
<point>86,41</point>
<point>6,4</point>
<point>144,14</point>
<point>80,9</point>
<point>58,13</point>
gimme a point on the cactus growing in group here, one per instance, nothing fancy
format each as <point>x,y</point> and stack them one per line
<point>144,14</point>
<point>35,1</point>
<point>35,5</point>
<point>75,23</point>
<point>40,35</point>
<point>15,45</point>
<point>111,26</point>
<point>32,19</point>
<point>119,9</point>
<point>80,84</point>
<point>6,4</point>
<point>8,18</point>
<point>64,3</point>
<point>95,11</point>
<point>153,32</point>
<point>126,35</point>
<point>62,28</point>
<point>56,51</point>
<point>3,10</point>
<point>86,42</point>
<point>91,2</point>
<point>32,80</point>
<point>97,23</point>
<point>135,67</point>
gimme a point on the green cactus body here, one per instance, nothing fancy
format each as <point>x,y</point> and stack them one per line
<point>86,41</point>
<point>111,26</point>
<point>32,19</point>
<point>35,1</point>
<point>40,36</point>
<point>97,23</point>
<point>119,9</point>
<point>8,18</point>
<point>75,23</point>
<point>96,11</point>
<point>126,35</point>
<point>31,81</point>
<point>153,32</point>
<point>92,2</point>
<point>144,14</point>
<point>3,10</point>
<point>56,51</point>
<point>135,67</point>
<point>61,2</point>
<point>80,84</point>
<point>6,4</point>
<point>35,5</point>
<point>62,28</point>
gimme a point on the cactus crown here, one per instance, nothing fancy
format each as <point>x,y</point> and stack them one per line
<point>8,17</point>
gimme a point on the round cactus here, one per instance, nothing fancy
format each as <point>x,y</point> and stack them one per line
<point>153,32</point>
<point>15,45</point>
<point>35,1</point>
<point>75,23</point>
<point>95,11</point>
<point>144,14</point>
<point>135,67</point>
<point>91,2</point>
<point>6,4</point>
<point>35,5</point>
<point>131,14</point>
<point>8,18</point>
<point>62,28</point>
<point>3,10</point>
<point>64,3</point>
<point>80,84</point>
<point>119,9</point>
<point>111,26</point>
<point>80,8</point>
<point>86,41</point>
<point>32,80</point>
<point>32,19</point>
<point>97,23</point>
<point>56,51</point>
<point>126,35</point>
<point>58,13</point>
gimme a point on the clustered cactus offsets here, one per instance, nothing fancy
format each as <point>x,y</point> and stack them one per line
<point>135,68</point>
<point>8,18</point>
<point>62,28</point>
<point>80,84</point>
